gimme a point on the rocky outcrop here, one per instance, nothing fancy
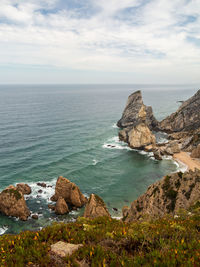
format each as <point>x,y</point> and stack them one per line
<point>12,203</point>
<point>196,152</point>
<point>169,195</point>
<point>136,112</point>
<point>70,192</point>
<point>63,249</point>
<point>24,188</point>
<point>95,207</point>
<point>186,118</point>
<point>140,136</point>
<point>61,206</point>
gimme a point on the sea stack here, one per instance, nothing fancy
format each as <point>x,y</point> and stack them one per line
<point>137,121</point>
<point>67,192</point>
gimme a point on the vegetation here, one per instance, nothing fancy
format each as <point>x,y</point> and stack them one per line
<point>167,241</point>
<point>13,192</point>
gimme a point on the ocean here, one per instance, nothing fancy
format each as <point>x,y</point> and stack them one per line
<point>70,130</point>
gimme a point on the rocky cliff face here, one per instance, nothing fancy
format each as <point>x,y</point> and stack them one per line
<point>136,112</point>
<point>186,118</point>
<point>169,195</point>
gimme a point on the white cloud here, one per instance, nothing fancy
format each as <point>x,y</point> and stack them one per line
<point>151,39</point>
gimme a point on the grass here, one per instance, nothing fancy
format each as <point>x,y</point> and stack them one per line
<point>166,241</point>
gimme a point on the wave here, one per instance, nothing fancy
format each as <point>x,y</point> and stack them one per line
<point>42,192</point>
<point>181,167</point>
<point>94,162</point>
<point>115,143</point>
<point>115,126</point>
<point>3,230</point>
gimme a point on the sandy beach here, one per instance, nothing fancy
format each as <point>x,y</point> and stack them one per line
<point>185,158</point>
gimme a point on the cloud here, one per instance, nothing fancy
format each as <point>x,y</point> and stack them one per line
<point>145,38</point>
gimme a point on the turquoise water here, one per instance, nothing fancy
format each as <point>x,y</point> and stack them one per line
<point>48,131</point>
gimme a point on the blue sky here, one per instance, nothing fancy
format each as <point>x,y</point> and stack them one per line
<point>88,41</point>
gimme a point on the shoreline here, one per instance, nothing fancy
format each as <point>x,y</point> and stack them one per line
<point>185,159</point>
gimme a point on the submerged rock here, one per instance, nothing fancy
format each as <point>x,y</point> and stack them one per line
<point>24,188</point>
<point>136,112</point>
<point>186,118</point>
<point>169,195</point>
<point>69,191</point>
<point>12,203</point>
<point>95,207</point>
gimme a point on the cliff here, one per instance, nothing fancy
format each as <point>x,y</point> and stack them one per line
<point>186,118</point>
<point>168,196</point>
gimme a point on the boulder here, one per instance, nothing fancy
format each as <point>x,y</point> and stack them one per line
<point>196,152</point>
<point>12,203</point>
<point>136,112</point>
<point>186,118</point>
<point>63,249</point>
<point>51,207</point>
<point>34,216</point>
<point>169,195</point>
<point>140,136</point>
<point>69,191</point>
<point>95,207</point>
<point>157,154</point>
<point>61,206</point>
<point>24,188</point>
<point>42,185</point>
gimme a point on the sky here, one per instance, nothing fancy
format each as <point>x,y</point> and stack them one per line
<point>100,41</point>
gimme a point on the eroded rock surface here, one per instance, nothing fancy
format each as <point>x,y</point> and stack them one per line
<point>70,192</point>
<point>186,118</point>
<point>63,249</point>
<point>140,136</point>
<point>61,206</point>
<point>12,203</point>
<point>196,152</point>
<point>169,195</point>
<point>95,207</point>
<point>24,188</point>
<point>136,112</point>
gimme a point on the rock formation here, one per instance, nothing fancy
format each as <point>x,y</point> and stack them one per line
<point>169,195</point>
<point>61,206</point>
<point>140,136</point>
<point>196,152</point>
<point>137,120</point>
<point>24,188</point>
<point>183,127</point>
<point>12,203</point>
<point>69,192</point>
<point>95,207</point>
<point>186,118</point>
<point>136,112</point>
<point>63,249</point>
